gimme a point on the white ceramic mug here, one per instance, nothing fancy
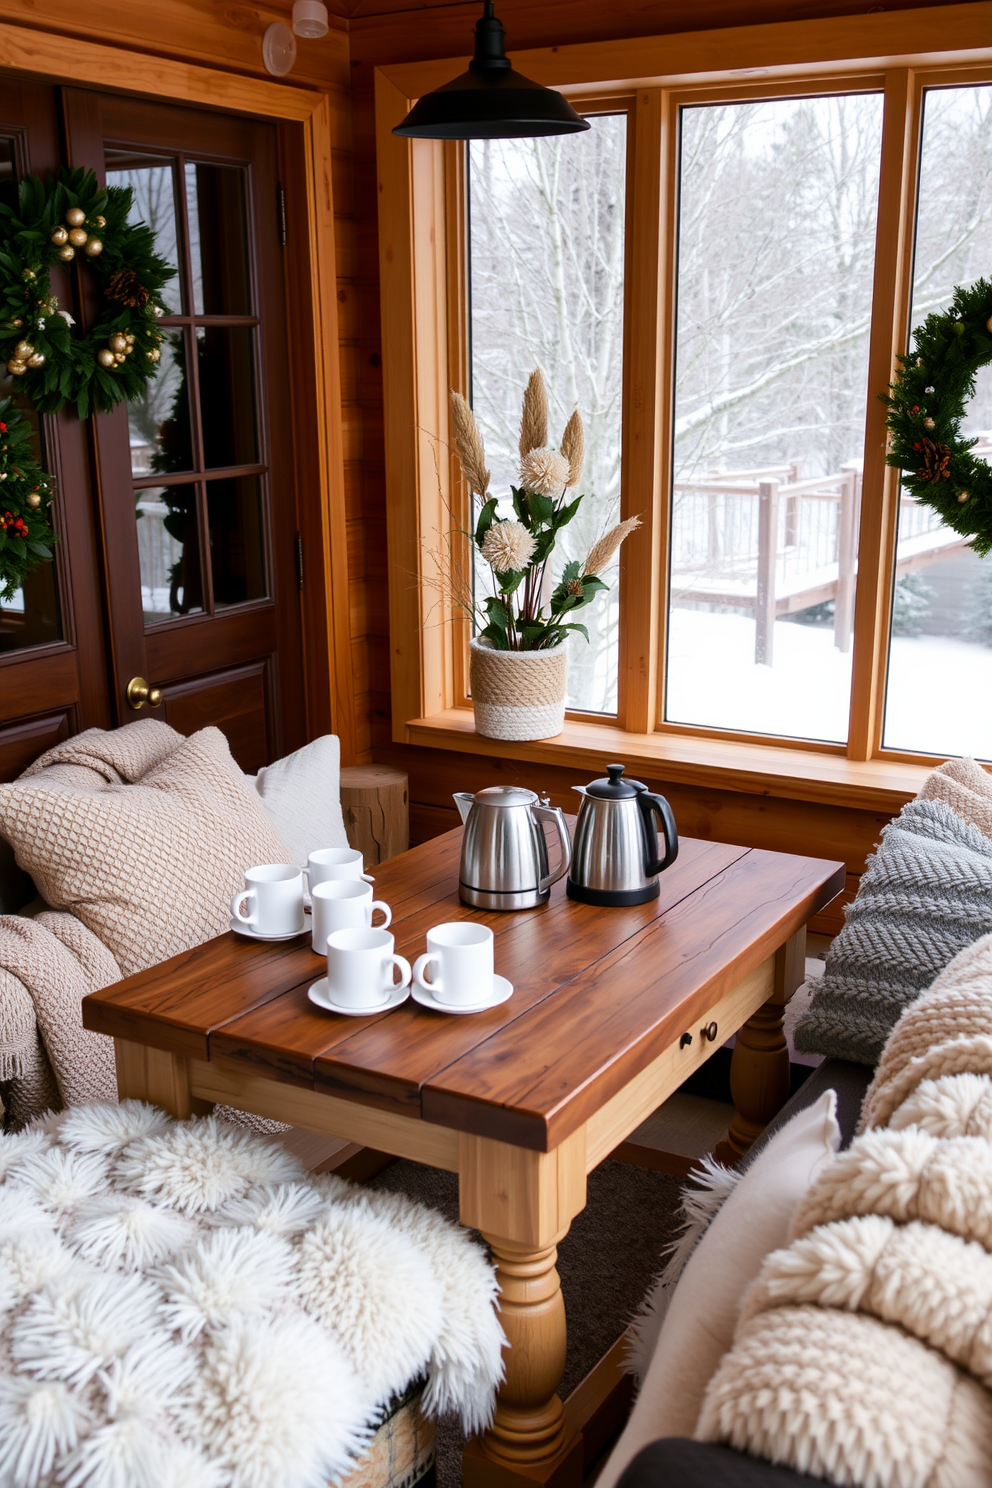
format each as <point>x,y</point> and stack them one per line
<point>344,904</point>
<point>360,967</point>
<point>331,864</point>
<point>462,953</point>
<point>274,892</point>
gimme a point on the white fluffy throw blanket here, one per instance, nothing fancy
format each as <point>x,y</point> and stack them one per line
<point>864,1350</point>
<point>183,1307</point>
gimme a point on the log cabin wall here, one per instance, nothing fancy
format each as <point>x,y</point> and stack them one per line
<point>377,32</point>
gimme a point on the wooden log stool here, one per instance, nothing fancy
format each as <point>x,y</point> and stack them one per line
<point>375,803</point>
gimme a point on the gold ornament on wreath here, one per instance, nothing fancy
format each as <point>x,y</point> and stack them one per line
<point>58,220</point>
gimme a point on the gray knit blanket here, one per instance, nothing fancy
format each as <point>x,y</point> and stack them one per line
<point>926,894</point>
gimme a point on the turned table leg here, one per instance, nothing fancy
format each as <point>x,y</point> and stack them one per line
<point>523,1203</point>
<point>529,1425</point>
<point>759,1066</point>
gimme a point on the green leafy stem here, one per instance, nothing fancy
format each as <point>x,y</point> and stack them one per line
<point>516,617</point>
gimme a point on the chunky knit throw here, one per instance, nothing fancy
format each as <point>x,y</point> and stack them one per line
<point>183,1307</point>
<point>864,1350</point>
<point>927,893</point>
<point>136,837</point>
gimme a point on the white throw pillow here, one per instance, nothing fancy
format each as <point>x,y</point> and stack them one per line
<point>700,1321</point>
<point>302,794</point>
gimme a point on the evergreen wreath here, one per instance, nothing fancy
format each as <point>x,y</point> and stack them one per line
<point>927,403</point>
<point>26,492</point>
<point>54,219</point>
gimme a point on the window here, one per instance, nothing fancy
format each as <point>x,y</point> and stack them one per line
<point>546,277</point>
<point>777,208</point>
<point>782,234</point>
<point>941,629</point>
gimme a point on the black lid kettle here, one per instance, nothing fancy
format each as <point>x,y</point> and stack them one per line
<point>615,857</point>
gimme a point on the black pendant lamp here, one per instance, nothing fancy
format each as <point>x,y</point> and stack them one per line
<point>490,101</point>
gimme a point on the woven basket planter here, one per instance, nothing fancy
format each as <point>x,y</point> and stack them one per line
<point>518,694</point>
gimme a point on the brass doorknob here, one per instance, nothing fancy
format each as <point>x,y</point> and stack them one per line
<point>139,693</point>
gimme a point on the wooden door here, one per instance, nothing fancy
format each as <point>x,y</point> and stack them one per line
<point>196,483</point>
<point>53,679</point>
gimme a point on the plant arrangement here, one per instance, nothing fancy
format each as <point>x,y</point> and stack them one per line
<point>527,612</point>
<point>54,221</point>
<point>926,406</point>
<point>26,534</point>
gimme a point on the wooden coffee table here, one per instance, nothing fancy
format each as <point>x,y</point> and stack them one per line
<point>612,1010</point>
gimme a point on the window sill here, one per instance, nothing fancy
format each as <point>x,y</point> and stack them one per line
<point>755,769</point>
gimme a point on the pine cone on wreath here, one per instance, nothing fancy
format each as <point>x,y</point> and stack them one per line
<point>125,288</point>
<point>936,459</point>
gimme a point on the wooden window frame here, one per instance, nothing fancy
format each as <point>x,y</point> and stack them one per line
<point>423,319</point>
<point>307,137</point>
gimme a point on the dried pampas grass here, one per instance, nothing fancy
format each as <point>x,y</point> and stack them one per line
<point>468,443</point>
<point>534,419</point>
<point>445,573</point>
<point>604,550</point>
<point>573,447</point>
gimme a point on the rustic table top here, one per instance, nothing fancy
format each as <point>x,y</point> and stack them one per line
<point>598,993</point>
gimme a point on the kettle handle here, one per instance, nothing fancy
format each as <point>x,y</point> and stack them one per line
<point>660,807</point>
<point>556,815</point>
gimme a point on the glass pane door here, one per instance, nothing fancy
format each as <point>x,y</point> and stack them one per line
<point>195,458</point>
<point>197,480</point>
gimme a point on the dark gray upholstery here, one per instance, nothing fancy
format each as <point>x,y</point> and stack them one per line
<point>678,1463</point>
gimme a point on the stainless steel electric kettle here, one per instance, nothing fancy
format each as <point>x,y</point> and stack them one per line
<point>615,856</point>
<point>504,863</point>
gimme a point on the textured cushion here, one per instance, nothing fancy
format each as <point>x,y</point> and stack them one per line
<point>700,1321</point>
<point>302,794</point>
<point>149,867</point>
<point>926,895</point>
<point>966,788</point>
<point>863,1351</point>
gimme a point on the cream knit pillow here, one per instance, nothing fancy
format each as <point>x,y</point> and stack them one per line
<point>302,794</point>
<point>150,866</point>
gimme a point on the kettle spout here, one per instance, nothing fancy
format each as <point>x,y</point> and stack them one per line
<point>579,790</point>
<point>463,800</point>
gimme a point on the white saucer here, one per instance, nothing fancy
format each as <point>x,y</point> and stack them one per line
<point>502,992</point>
<point>318,994</point>
<point>250,934</point>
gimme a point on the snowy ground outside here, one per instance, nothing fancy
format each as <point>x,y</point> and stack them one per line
<point>939,697</point>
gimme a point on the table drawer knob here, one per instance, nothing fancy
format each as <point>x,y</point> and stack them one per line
<point>685,1040</point>
<point>709,1033</point>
